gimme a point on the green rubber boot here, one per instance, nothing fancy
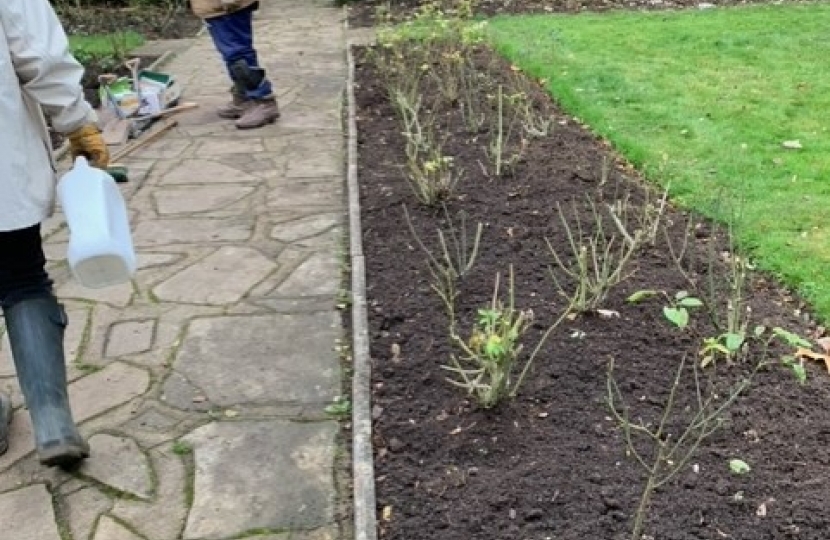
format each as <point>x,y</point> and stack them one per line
<point>5,420</point>
<point>35,327</point>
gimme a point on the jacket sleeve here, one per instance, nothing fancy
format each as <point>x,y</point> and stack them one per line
<point>46,70</point>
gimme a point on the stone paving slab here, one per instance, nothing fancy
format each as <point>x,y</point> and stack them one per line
<point>232,492</point>
<point>201,385</point>
<point>260,359</point>
<point>27,514</point>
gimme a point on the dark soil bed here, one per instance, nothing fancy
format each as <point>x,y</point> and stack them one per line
<point>151,22</point>
<point>364,12</point>
<point>552,463</point>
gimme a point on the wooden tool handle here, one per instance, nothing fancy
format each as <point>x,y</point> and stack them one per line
<point>150,137</point>
<point>167,112</point>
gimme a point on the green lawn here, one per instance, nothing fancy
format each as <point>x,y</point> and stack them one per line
<point>711,95</point>
<point>118,44</point>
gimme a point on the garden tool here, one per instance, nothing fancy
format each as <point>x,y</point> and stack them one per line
<point>167,112</point>
<point>133,65</point>
<point>119,173</point>
<point>141,123</point>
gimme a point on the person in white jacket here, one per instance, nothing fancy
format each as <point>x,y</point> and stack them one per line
<point>38,78</point>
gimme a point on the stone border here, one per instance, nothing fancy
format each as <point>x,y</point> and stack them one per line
<point>363,469</point>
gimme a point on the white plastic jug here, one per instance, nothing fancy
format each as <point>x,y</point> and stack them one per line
<point>101,249</point>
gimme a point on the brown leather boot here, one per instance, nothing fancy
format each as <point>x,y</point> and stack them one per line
<point>235,109</point>
<point>258,113</point>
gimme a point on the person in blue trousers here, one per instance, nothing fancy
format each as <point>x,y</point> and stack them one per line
<point>230,24</point>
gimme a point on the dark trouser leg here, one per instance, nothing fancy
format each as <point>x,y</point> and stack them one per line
<point>233,36</point>
<point>22,266</point>
<point>35,324</point>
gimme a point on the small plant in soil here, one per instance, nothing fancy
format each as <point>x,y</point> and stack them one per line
<point>536,121</point>
<point>669,452</point>
<point>724,300</point>
<point>340,407</point>
<point>727,345</point>
<point>418,140</point>
<point>503,150</point>
<point>449,74</point>
<point>644,219</point>
<point>599,261</point>
<point>458,251</point>
<point>432,177</point>
<point>492,349</point>
<point>663,447</point>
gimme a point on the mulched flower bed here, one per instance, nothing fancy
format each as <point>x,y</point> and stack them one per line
<point>363,13</point>
<point>553,463</point>
<point>149,21</point>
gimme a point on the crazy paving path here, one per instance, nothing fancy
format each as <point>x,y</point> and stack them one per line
<point>202,385</point>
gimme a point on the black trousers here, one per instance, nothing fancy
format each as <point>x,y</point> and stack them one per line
<point>22,266</point>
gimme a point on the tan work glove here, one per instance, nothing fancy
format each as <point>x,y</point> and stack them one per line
<point>88,142</point>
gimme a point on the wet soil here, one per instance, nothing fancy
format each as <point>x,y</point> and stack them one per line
<point>553,463</point>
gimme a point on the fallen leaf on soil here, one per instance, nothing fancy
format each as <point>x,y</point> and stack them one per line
<point>230,413</point>
<point>459,429</point>
<point>386,515</point>
<point>608,313</point>
<point>739,466</point>
<point>639,296</point>
<point>801,352</point>
<point>792,145</point>
<point>762,510</point>
<point>824,343</point>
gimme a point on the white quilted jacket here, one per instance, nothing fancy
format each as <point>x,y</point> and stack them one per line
<point>37,75</point>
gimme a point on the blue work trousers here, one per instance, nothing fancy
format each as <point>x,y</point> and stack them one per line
<point>233,35</point>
